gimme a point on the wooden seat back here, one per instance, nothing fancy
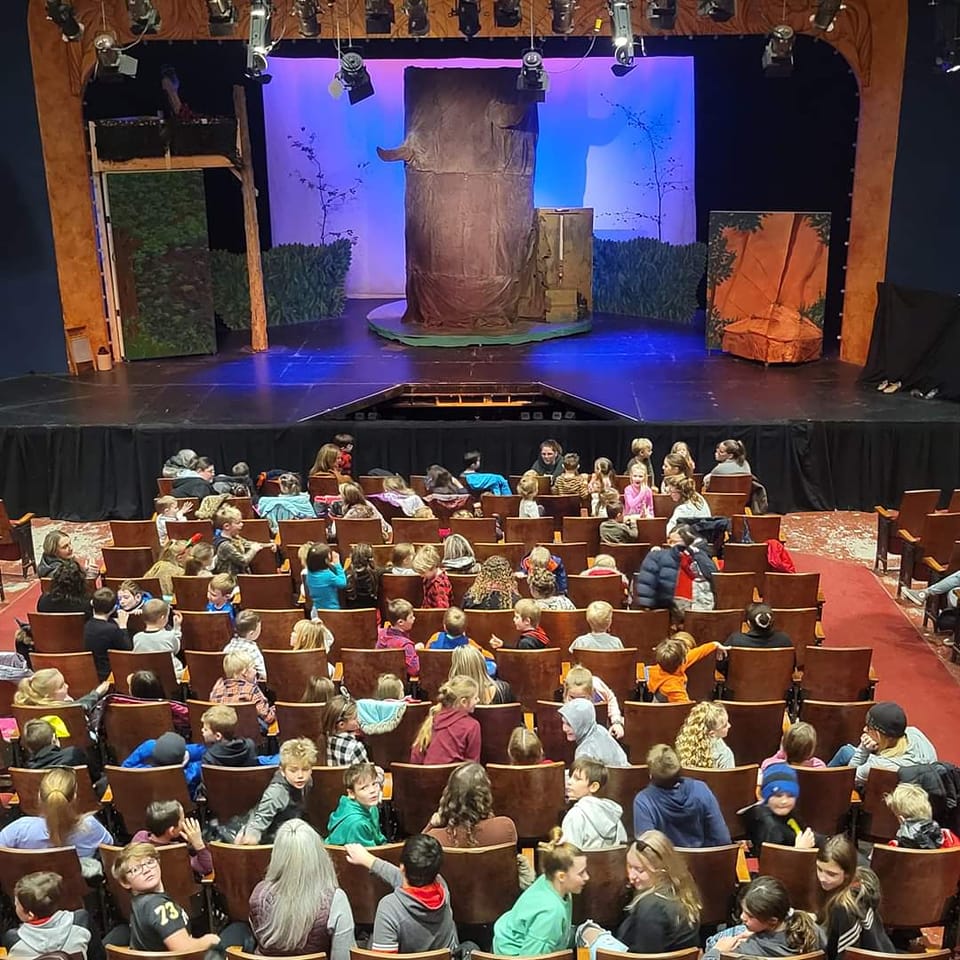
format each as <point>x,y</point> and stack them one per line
<point>57,632</point>
<point>734,788</point>
<point>237,869</point>
<point>408,530</point>
<point>603,903</point>
<point>234,791</point>
<point>837,673</point>
<point>276,627</point>
<point>301,720</point>
<point>756,728</point>
<point>714,872</point>
<point>298,532</point>
<point>127,725</point>
<point>266,591</point>
<point>205,631</point>
<point>573,555</point>
<point>576,529</point>
<point>475,529</point>
<point>136,533</point>
<point>26,785</point>
<point>492,504</point>
<point>791,590</point>
<point>187,529</point>
<point>617,669</point>
<point>325,793</point>
<point>205,668</point>
<point>512,552</point>
<point>712,626</point>
<point>364,892</point>
<point>583,590</point>
<point>497,722</point>
<point>734,591</point>
<point>835,723</point>
<point>723,504</point>
<point>533,674</point>
<point>762,527</point>
<point>483,881</point>
<point>72,715</point>
<point>135,789</point>
<point>126,562</point>
<point>629,557</point>
<point>919,886</point>
<point>483,624</point>
<point>356,629</point>
<point>289,670</point>
<point>647,724</point>
<point>759,674</point>
<point>746,558</point>
<point>361,668</point>
<point>731,483</point>
<point>800,625</point>
<point>191,593</point>
<point>398,586</point>
<point>123,663</point>
<point>417,788</point>
<point>349,532</point>
<point>513,787</point>
<point>394,746</point>
<point>16,864</point>
<point>434,670</point>
<point>824,802</point>
<point>623,784</point>
<point>876,820</point>
<point>528,531</point>
<point>796,869</point>
<point>78,669</point>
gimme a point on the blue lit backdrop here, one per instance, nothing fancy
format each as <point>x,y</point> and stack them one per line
<point>588,154</point>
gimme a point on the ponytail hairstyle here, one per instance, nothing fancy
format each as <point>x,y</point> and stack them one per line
<point>693,746</point>
<point>760,618</point>
<point>735,450</point>
<point>338,709</point>
<point>524,747</point>
<point>861,888</point>
<point>603,472</point>
<point>671,875</point>
<point>679,464</point>
<point>767,899</point>
<point>451,692</point>
<point>58,798</point>
<point>197,558</point>
<point>556,855</point>
<point>687,490</point>
<point>38,690</point>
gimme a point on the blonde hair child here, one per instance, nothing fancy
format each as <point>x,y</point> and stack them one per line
<point>461,741</point>
<point>700,741</point>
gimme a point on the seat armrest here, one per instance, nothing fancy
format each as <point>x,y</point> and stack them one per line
<point>935,565</point>
<point>26,518</point>
<point>888,514</point>
<point>907,536</point>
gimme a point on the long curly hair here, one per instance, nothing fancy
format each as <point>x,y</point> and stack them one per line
<point>693,743</point>
<point>495,577</point>
<point>466,800</point>
<point>67,582</point>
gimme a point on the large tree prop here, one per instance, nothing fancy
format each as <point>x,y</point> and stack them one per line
<point>470,151</point>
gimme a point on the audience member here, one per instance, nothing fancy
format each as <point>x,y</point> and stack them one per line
<point>221,589</point>
<point>638,495</point>
<point>543,591</point>
<point>437,590</point>
<point>465,817</point>
<point>528,488</point>
<point>641,451</point>
<point>103,633</point>
<point>195,481</point>
<point>454,634</point>
<point>469,661</point>
<point>599,618</point>
<point>68,591</point>
<point>458,556</point>
<point>234,552</point>
<point>479,482</point>
<point>168,508</point>
<point>45,928</point>
<point>772,820</point>
<point>396,634</point>
<point>541,558</point>
<point>571,482</point>
<point>401,560</point>
<point>156,636</point>
<point>324,577</point>
<point>169,565</point>
<point>910,804</point>
<point>580,682</point>
<point>731,457</point>
<point>290,504</point>
<point>495,587</point>
<point>178,462</point>
<point>239,685</point>
<point>667,679</point>
<point>247,629</point>
<point>700,741</point>
<point>166,823</point>
<point>327,464</point>
<point>797,747</point>
<point>762,633</point>
<point>340,727</point>
<point>593,822</point>
<point>131,597</point>
<point>218,730</point>
<point>549,462</point>
<point>357,816</point>
<point>57,548</point>
<point>689,504</point>
<point>397,493</point>
<point>41,745</point>
<point>449,734</point>
<point>363,579</point>
<point>579,723</point>
<point>526,621</point>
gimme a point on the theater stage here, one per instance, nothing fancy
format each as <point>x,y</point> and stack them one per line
<point>90,447</point>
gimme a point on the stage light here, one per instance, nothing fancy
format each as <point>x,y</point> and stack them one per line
<point>533,78</point>
<point>352,77</point>
<point>259,44</point>
<point>718,10</point>
<point>144,17</point>
<point>947,37</point>
<point>467,13</point>
<point>111,60</point>
<point>826,14</point>
<point>778,54</point>
<point>307,17</point>
<point>65,17</point>
<point>562,14</point>
<point>662,14</point>
<point>379,16</point>
<point>221,17</point>
<point>621,28</point>
<point>418,18</point>
<point>506,13</point>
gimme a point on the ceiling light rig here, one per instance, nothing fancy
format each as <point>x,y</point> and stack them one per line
<point>467,13</point>
<point>221,17</point>
<point>562,16</point>
<point>662,14</point>
<point>824,18</point>
<point>533,79</point>
<point>418,17</point>
<point>506,13</point>
<point>778,54</point>
<point>353,78</point>
<point>621,29</point>
<point>308,18</point>
<point>111,60</point>
<point>379,16</point>
<point>717,10</point>
<point>259,42</point>
<point>144,17</point>
<point>65,17</point>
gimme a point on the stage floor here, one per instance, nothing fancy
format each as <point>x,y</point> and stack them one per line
<point>640,369</point>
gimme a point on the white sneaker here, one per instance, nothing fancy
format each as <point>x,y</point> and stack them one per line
<point>915,596</point>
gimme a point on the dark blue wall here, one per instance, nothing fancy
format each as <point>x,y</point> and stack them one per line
<point>31,322</point>
<point>925,216</point>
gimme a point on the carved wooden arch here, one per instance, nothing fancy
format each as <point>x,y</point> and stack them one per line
<point>871,36</point>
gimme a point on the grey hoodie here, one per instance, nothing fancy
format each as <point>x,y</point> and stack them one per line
<point>766,944</point>
<point>592,739</point>
<point>919,750</point>
<point>593,823</point>
<point>59,933</point>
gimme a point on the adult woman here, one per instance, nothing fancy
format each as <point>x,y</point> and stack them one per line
<point>495,587</point>
<point>458,555</point>
<point>60,824</point>
<point>541,919</point>
<point>68,591</point>
<point>465,816</point>
<point>549,463</point>
<point>468,661</point>
<point>357,507</point>
<point>168,565</point>
<point>689,504</point>
<point>56,548</point>
<point>325,465</point>
<point>397,493</point>
<point>283,920</point>
<point>675,465</point>
<point>731,457</point>
<point>664,914</point>
<point>762,634</point>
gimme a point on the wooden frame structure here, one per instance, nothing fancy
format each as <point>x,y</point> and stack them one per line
<point>871,36</point>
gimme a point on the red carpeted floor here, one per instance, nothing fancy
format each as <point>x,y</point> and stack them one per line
<point>858,610</point>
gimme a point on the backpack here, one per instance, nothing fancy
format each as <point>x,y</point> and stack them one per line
<point>778,558</point>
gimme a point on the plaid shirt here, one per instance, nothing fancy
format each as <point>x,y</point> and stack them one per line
<point>344,750</point>
<point>437,592</point>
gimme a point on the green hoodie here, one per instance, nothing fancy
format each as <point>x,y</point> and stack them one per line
<point>352,822</point>
<point>539,922</point>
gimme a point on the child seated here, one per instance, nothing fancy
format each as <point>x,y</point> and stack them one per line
<point>396,635</point>
<point>157,922</point>
<point>223,747</point>
<point>45,927</point>
<point>239,685</point>
<point>524,748</point>
<point>578,720</point>
<point>543,590</point>
<point>42,746</point>
<point>357,817</point>
<point>324,577</point>
<point>481,481</point>
<point>170,750</point>
<point>363,579</point>
<point>102,633</point>
<point>234,553</point>
<point>168,508</point>
<point>593,822</point>
<point>528,487</point>
<point>156,636</point>
<point>220,592</point>
<point>526,621</point>
<point>604,565</point>
<point>286,794</point>
<point>165,823</point>
<point>797,747</point>
<point>340,726</point>
<point>910,804</point>
<point>700,741</point>
<point>131,597</point>
<point>571,481</point>
<point>246,633</point>
<point>401,560</point>
<point>599,619</point>
<point>437,589</point>
<point>417,915</point>
<point>581,683</point>
<point>667,679</point>
<point>454,634</point>
<point>772,819</point>
<point>541,557</point>
<point>320,690</point>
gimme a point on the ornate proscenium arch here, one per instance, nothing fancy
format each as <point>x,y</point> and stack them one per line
<point>871,36</point>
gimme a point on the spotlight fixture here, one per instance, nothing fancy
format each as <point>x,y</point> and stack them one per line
<point>621,28</point>
<point>778,54</point>
<point>467,13</point>
<point>662,14</point>
<point>562,16</point>
<point>418,18</point>
<point>65,17</point>
<point>947,37</point>
<point>144,17</point>
<point>826,14</point>
<point>308,18</point>
<point>259,43</point>
<point>221,17</point>
<point>379,16</point>
<point>506,13</point>
<point>533,79</point>
<point>111,60</point>
<point>353,78</point>
<point>718,10</point>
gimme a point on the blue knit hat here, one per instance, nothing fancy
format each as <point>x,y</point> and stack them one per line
<point>779,778</point>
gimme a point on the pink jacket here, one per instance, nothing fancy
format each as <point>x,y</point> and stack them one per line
<point>637,502</point>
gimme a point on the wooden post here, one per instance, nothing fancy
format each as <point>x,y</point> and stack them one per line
<point>258,306</point>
